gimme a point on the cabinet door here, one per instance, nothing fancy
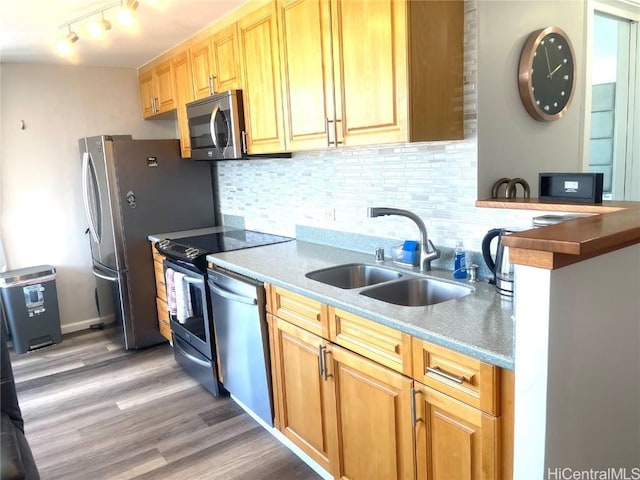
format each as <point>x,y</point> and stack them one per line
<point>370,64</point>
<point>164,88</point>
<point>453,439</point>
<point>225,56</point>
<point>307,75</point>
<point>305,405</point>
<point>261,81</point>
<point>374,419</point>
<point>184,94</point>
<point>145,83</point>
<point>201,69</point>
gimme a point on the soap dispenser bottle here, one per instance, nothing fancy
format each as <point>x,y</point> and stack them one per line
<point>460,264</point>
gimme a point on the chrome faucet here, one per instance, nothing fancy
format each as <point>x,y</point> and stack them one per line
<point>426,255</point>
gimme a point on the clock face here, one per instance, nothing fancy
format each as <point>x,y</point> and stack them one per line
<point>547,74</point>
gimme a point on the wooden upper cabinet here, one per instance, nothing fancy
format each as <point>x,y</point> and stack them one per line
<point>181,66</point>
<point>370,65</point>
<point>395,77</point>
<point>164,85</point>
<point>436,57</point>
<point>225,57</point>
<point>201,67</point>
<point>260,66</point>
<point>216,63</point>
<point>157,94</point>
<point>147,95</point>
<point>306,61</point>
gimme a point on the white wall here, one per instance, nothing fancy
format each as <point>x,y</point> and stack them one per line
<point>510,142</point>
<point>578,367</point>
<point>41,215</point>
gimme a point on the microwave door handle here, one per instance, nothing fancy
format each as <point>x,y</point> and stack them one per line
<point>212,127</point>
<point>85,196</point>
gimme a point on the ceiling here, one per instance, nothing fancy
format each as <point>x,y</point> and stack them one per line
<point>29,30</point>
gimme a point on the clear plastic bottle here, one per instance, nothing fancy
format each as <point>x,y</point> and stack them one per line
<point>460,262</point>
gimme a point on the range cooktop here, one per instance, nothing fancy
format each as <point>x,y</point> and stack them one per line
<point>193,250</point>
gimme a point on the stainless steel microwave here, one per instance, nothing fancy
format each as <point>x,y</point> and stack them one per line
<point>216,127</point>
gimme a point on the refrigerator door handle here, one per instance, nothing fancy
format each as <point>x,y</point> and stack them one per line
<point>103,276</point>
<point>85,196</point>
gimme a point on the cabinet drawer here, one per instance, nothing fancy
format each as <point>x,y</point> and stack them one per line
<point>377,342</point>
<point>299,310</point>
<point>469,380</point>
<point>163,318</point>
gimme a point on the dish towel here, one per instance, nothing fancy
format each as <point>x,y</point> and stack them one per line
<point>182,293</point>
<point>171,290</point>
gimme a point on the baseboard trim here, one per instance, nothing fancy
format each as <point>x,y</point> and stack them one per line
<point>82,325</point>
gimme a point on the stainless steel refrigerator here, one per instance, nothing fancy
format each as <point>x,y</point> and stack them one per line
<point>133,188</point>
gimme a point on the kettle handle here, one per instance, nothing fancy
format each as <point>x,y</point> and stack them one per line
<point>486,248</point>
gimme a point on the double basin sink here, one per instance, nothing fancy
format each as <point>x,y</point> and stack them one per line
<point>389,285</point>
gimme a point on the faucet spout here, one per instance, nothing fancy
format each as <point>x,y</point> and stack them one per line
<point>426,255</point>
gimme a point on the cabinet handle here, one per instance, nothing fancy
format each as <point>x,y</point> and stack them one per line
<point>327,122</point>
<point>414,420</point>
<point>212,84</point>
<point>244,142</point>
<point>438,371</point>
<point>322,361</point>
<point>323,356</point>
<point>335,131</point>
<point>320,366</point>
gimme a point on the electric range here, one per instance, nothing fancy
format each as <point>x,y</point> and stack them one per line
<point>192,251</point>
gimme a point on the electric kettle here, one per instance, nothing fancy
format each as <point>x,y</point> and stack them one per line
<point>500,267</point>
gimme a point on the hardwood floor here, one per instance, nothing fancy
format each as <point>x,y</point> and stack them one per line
<point>95,411</point>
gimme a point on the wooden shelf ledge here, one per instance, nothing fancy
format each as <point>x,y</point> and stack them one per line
<point>616,225</point>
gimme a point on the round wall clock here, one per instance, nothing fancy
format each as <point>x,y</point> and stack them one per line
<point>546,75</point>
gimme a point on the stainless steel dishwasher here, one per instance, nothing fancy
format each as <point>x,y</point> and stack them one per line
<point>239,319</point>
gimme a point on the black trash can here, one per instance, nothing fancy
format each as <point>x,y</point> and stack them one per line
<point>30,305</point>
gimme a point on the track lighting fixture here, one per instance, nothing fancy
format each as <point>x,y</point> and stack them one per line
<point>97,28</point>
<point>65,45</point>
<point>72,37</point>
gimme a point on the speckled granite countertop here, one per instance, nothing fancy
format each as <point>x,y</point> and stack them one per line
<point>479,324</point>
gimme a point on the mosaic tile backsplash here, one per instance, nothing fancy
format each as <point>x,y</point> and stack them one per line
<point>331,189</point>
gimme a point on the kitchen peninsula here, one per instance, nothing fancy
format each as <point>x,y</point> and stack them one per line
<point>577,330</point>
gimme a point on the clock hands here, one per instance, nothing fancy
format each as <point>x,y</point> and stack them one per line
<point>551,72</point>
<point>555,70</point>
<point>546,54</point>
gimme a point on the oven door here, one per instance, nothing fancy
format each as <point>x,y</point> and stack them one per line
<point>192,319</point>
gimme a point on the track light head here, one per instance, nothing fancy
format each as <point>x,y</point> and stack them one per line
<point>97,28</point>
<point>72,37</point>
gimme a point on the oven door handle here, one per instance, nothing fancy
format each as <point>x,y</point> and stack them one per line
<point>231,296</point>
<point>176,344</point>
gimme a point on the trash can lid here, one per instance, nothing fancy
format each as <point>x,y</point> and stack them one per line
<point>23,274</point>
